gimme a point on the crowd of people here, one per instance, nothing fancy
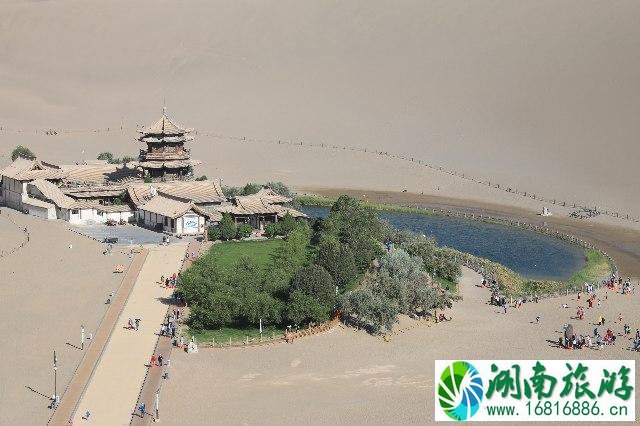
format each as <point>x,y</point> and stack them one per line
<point>570,340</point>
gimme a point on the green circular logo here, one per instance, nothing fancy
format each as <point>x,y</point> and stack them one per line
<point>460,390</point>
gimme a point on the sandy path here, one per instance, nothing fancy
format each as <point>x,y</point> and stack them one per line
<point>114,387</point>
<point>48,290</point>
<point>347,376</point>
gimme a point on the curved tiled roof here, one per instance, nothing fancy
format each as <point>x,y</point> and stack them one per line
<point>51,192</point>
<point>165,126</point>
<point>272,196</point>
<point>25,169</point>
<point>200,192</point>
<point>172,207</point>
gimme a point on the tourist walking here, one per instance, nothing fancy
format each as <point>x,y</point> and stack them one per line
<point>142,408</point>
<point>137,321</point>
<point>153,360</point>
<point>160,360</point>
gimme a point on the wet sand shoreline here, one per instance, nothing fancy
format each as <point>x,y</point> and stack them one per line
<point>621,243</point>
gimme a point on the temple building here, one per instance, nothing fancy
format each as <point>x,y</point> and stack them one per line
<point>156,192</point>
<point>166,157</point>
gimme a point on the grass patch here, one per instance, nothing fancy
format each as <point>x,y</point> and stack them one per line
<point>446,284</point>
<point>315,200</point>
<point>236,334</point>
<point>226,254</point>
<point>596,268</point>
<point>318,200</point>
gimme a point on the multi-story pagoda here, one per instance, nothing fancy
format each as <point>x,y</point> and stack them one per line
<point>165,156</point>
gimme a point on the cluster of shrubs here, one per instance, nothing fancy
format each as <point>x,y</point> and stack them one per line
<point>252,188</point>
<point>228,230</point>
<point>111,159</point>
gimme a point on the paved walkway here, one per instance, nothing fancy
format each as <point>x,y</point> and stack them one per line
<point>113,390</point>
<point>153,381</point>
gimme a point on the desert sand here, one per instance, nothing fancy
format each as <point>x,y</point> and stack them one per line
<point>11,236</point>
<point>350,377</point>
<point>48,290</point>
<point>540,96</point>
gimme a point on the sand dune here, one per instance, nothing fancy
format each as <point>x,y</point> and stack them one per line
<point>543,96</point>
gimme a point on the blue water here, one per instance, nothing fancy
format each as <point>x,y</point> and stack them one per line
<point>531,254</point>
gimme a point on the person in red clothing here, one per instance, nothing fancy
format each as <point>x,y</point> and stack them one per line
<point>153,360</point>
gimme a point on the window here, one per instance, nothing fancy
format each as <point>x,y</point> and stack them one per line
<point>74,211</point>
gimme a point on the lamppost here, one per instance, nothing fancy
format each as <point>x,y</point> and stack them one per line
<point>157,405</point>
<point>82,337</point>
<point>55,380</point>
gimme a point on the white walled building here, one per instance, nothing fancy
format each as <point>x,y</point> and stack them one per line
<point>175,216</point>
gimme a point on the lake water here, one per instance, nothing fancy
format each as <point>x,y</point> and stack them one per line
<point>526,252</point>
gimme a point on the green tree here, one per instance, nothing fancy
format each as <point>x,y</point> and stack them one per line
<point>214,233</point>
<point>366,309</point>
<point>22,152</point>
<point>281,188</point>
<point>230,191</point>
<point>338,260</point>
<point>357,227</point>
<point>287,224</point>
<point>272,230</point>
<point>105,156</point>
<point>302,309</point>
<point>228,229</point>
<point>402,279</point>
<point>250,189</point>
<point>292,254</point>
<point>436,261</point>
<point>247,281</point>
<point>315,281</point>
<point>243,231</point>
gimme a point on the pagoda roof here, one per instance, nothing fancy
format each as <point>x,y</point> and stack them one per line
<point>171,164</point>
<point>165,126</point>
<point>154,138</point>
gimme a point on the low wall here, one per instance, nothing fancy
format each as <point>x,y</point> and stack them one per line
<point>288,337</point>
